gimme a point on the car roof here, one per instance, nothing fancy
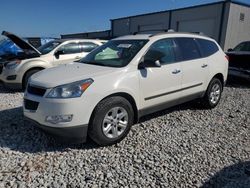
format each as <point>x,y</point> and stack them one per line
<point>64,40</point>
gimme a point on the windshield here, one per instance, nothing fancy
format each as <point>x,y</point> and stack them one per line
<point>48,47</point>
<point>115,53</point>
<point>244,46</point>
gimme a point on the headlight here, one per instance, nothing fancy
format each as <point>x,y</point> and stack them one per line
<point>12,64</point>
<point>71,90</point>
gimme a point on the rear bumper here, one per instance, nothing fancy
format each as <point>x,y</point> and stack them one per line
<point>239,73</point>
<point>74,134</point>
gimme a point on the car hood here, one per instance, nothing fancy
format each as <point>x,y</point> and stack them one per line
<point>68,73</point>
<point>25,46</point>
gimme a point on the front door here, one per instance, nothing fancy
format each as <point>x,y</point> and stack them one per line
<point>68,53</point>
<point>160,85</point>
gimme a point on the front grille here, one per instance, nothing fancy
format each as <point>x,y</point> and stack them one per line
<point>36,90</point>
<point>1,68</point>
<point>30,105</point>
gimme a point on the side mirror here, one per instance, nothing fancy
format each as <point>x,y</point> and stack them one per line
<point>230,50</point>
<point>157,63</point>
<point>58,53</point>
<point>148,63</point>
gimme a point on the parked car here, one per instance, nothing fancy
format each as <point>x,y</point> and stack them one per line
<point>239,60</point>
<point>16,70</point>
<point>123,80</point>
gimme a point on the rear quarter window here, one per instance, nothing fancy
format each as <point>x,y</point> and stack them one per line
<point>207,47</point>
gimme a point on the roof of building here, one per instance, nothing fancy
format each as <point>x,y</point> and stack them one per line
<point>85,33</point>
<point>239,2</point>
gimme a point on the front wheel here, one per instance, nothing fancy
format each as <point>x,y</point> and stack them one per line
<point>213,93</point>
<point>111,121</point>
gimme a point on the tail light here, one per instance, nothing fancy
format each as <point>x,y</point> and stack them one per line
<point>227,57</point>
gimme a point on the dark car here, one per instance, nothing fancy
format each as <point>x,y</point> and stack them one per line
<point>239,60</point>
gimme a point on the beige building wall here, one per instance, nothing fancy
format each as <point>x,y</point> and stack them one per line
<point>238,30</point>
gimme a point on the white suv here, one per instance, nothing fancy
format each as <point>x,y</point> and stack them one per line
<point>119,82</point>
<point>15,72</point>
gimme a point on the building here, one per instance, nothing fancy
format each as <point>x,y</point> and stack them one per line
<point>228,22</point>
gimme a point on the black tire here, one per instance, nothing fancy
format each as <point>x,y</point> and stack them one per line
<point>28,75</point>
<point>96,125</point>
<point>207,99</point>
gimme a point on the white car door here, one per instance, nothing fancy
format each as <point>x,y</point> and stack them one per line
<point>87,47</point>
<point>67,53</point>
<point>194,68</point>
<point>160,85</point>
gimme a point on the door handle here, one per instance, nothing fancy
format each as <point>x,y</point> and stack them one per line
<point>77,57</point>
<point>204,66</point>
<point>176,71</point>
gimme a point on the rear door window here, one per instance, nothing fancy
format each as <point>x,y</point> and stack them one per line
<point>207,47</point>
<point>188,49</point>
<point>87,46</point>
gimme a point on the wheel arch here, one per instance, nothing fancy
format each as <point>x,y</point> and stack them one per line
<point>221,78</point>
<point>128,97</point>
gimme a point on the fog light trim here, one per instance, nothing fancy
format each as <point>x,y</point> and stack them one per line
<point>59,118</point>
<point>12,77</point>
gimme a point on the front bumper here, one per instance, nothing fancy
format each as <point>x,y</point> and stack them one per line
<point>75,134</point>
<point>14,86</point>
<point>14,83</point>
<point>37,108</point>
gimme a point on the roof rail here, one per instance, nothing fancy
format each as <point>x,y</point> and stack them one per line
<point>171,30</point>
<point>161,32</point>
<point>148,31</point>
<point>165,31</point>
<point>198,32</point>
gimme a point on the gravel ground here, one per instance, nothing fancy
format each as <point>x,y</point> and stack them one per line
<point>185,146</point>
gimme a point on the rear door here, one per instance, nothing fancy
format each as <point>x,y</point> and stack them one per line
<point>160,85</point>
<point>194,68</point>
<point>86,47</point>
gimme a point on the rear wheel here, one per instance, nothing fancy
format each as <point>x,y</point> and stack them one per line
<point>213,93</point>
<point>111,121</point>
<point>27,75</point>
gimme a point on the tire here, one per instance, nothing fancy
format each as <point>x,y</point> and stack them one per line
<point>107,125</point>
<point>213,94</point>
<point>27,75</point>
